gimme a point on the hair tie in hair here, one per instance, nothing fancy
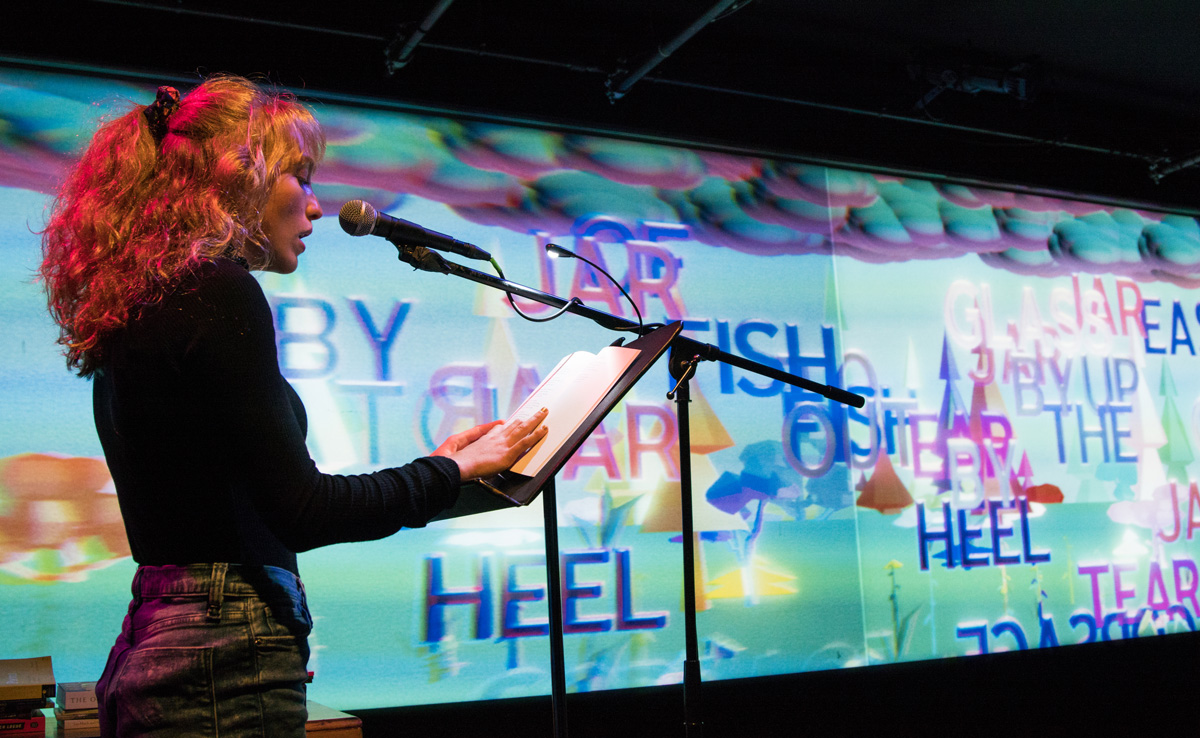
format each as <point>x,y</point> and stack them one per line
<point>159,112</point>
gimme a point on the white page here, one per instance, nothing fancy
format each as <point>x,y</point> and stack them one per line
<point>572,390</point>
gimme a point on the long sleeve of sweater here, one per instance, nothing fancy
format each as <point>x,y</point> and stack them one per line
<point>206,439</point>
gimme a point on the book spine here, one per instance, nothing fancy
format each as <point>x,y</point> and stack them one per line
<point>23,725</point>
<point>76,695</point>
<point>20,708</point>
<point>77,700</point>
<point>62,715</point>
<point>10,692</point>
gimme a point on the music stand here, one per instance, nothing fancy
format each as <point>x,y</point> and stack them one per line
<point>510,489</point>
<point>685,354</point>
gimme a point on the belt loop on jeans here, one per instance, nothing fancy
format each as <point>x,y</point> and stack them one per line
<point>137,585</point>
<point>216,590</point>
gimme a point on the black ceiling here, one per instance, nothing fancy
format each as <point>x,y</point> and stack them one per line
<point>1103,97</point>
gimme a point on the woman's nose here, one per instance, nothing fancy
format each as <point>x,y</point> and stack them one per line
<point>314,208</point>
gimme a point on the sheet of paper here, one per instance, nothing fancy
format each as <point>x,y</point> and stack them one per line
<point>571,391</point>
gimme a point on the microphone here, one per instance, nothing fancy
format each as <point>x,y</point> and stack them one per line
<point>359,218</point>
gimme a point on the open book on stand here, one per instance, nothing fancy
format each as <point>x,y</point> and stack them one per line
<point>581,389</point>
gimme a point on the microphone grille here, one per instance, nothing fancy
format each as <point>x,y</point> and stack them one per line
<point>357,217</point>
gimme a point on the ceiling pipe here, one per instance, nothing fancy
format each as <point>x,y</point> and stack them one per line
<point>194,12</point>
<point>620,81</point>
<point>1058,143</point>
<point>1162,168</point>
<point>396,60</point>
<point>1159,167</point>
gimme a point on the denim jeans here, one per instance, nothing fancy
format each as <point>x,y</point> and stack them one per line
<point>209,650</point>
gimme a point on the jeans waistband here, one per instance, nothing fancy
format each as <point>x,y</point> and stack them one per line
<point>199,579</point>
<point>279,588</point>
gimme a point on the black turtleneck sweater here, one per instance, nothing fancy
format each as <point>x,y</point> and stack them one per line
<point>205,439</point>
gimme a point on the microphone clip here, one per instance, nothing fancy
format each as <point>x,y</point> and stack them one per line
<point>422,258</point>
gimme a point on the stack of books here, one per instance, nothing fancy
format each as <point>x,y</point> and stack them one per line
<point>26,686</point>
<point>75,710</point>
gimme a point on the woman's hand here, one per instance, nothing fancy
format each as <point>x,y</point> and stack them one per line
<point>492,447</point>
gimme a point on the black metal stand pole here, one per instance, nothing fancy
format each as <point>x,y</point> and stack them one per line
<point>693,718</point>
<point>558,670</point>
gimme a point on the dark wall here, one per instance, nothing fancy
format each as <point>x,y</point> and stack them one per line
<point>770,78</point>
<point>1136,687</point>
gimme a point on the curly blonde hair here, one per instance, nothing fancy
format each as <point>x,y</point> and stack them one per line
<point>135,214</point>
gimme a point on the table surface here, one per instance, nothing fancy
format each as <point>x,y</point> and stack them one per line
<point>321,719</point>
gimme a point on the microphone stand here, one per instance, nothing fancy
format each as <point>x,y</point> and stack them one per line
<point>686,353</point>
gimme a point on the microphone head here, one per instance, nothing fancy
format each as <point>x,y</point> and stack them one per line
<point>357,218</point>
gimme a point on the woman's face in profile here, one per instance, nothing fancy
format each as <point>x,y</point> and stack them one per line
<point>287,218</point>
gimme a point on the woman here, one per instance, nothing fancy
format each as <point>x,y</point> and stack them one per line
<point>146,261</point>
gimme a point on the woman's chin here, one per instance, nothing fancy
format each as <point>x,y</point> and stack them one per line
<point>282,266</point>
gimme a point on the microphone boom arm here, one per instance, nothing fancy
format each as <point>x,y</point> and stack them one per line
<point>424,259</point>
